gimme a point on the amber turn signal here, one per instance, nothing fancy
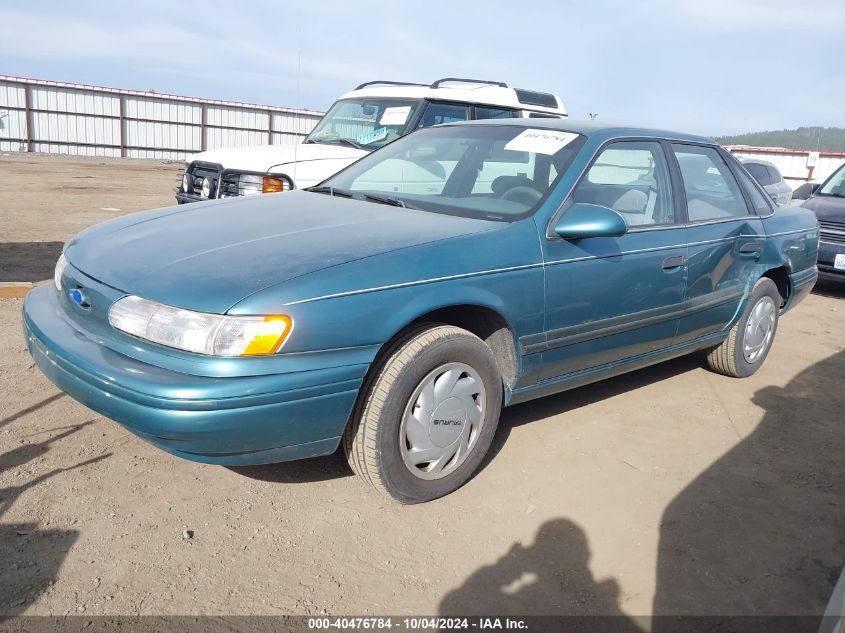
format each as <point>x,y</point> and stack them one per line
<point>269,184</point>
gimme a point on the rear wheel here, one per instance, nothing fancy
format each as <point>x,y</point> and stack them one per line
<point>749,341</point>
<point>427,416</point>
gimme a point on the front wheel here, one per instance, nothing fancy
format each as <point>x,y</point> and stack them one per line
<point>749,341</point>
<point>427,416</point>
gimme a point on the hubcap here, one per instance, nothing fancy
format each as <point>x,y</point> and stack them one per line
<point>759,329</point>
<point>443,420</point>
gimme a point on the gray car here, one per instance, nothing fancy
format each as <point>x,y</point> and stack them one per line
<point>770,178</point>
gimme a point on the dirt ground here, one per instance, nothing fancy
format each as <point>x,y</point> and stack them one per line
<point>669,490</point>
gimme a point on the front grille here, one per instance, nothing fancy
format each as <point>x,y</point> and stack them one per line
<point>832,232</point>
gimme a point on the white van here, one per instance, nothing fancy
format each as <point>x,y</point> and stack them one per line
<point>363,120</point>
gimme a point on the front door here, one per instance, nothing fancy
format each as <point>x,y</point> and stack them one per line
<point>609,299</point>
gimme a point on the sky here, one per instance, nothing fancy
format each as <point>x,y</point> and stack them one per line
<point>702,66</point>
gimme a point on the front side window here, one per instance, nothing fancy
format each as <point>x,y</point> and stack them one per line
<point>711,190</point>
<point>364,123</point>
<point>835,186</point>
<point>631,178</point>
<point>437,112</point>
<point>497,172</point>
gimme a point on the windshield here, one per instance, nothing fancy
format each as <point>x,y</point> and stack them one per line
<point>835,186</point>
<point>498,172</point>
<point>364,123</point>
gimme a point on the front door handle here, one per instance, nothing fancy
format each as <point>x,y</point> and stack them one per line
<point>676,261</point>
<point>750,249</point>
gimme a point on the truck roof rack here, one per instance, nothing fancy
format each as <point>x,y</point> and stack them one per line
<point>388,83</point>
<point>437,83</point>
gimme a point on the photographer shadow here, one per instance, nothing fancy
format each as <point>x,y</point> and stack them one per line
<point>551,577</point>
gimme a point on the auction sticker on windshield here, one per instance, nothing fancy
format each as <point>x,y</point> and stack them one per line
<point>372,137</point>
<point>540,141</point>
<point>396,115</point>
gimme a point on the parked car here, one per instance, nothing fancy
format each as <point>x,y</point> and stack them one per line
<point>828,203</point>
<point>363,120</point>
<point>397,307</point>
<point>769,176</point>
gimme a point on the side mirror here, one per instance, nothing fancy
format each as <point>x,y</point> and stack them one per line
<point>590,220</point>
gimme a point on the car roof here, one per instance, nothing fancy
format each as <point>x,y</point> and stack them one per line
<point>591,128</point>
<point>759,161</point>
<point>465,92</point>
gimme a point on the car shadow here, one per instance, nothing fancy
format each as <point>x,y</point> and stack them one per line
<point>830,289</point>
<point>549,577</point>
<point>534,410</point>
<point>311,470</point>
<point>28,261</point>
<point>762,530</point>
<point>32,556</point>
<point>334,466</point>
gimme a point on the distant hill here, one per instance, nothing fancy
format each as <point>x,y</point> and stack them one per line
<point>821,138</point>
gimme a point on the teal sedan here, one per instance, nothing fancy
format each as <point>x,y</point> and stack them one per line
<point>397,307</point>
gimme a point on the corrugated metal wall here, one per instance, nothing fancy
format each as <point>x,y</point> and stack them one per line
<point>56,117</point>
<point>792,163</point>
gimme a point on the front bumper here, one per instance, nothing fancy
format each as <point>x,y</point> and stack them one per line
<point>184,198</point>
<point>229,420</point>
<point>827,255</point>
<point>801,284</point>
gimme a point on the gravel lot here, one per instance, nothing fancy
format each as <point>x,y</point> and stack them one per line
<point>670,490</point>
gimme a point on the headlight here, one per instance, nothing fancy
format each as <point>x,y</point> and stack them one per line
<point>249,185</point>
<point>186,183</point>
<point>199,332</point>
<point>61,264</point>
<point>205,192</point>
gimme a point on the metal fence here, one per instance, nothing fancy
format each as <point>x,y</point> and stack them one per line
<point>796,165</point>
<point>66,118</point>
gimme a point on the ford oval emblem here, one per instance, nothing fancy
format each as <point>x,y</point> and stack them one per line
<point>78,297</point>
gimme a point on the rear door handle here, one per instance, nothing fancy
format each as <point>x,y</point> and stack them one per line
<point>676,261</point>
<point>751,248</point>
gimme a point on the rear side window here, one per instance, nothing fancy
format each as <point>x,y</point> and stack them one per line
<point>774,174</point>
<point>438,112</point>
<point>758,201</point>
<point>487,112</point>
<point>711,190</point>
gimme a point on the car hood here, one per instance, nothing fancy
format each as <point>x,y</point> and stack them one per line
<point>827,208</point>
<point>266,157</point>
<point>208,256</point>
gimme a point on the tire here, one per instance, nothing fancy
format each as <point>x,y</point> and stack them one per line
<point>436,387</point>
<point>732,357</point>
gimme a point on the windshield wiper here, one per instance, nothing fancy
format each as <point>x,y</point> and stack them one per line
<point>393,202</point>
<point>359,195</point>
<point>332,191</point>
<point>343,141</point>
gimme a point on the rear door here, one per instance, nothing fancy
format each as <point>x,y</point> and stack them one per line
<point>725,237</point>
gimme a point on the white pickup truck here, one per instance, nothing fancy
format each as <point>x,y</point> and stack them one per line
<point>363,120</point>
